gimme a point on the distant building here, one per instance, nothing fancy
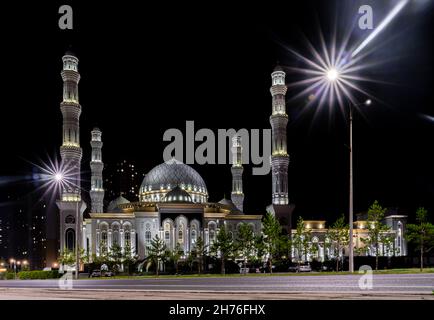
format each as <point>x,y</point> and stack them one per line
<point>122,178</point>
<point>325,249</point>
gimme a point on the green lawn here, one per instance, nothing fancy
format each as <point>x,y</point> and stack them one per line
<point>193,276</point>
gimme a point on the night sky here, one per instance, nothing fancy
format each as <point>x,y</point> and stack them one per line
<point>146,69</point>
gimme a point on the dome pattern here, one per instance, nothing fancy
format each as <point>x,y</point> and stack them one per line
<point>168,175</point>
<point>114,204</point>
<point>177,195</point>
<point>231,205</point>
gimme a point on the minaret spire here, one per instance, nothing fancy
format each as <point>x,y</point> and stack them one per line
<point>70,150</point>
<point>237,195</point>
<point>280,206</point>
<point>96,167</point>
<point>279,121</point>
<point>71,207</point>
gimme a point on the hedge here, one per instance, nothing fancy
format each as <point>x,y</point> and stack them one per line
<point>7,275</point>
<point>25,275</point>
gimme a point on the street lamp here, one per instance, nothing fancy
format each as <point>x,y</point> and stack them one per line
<point>13,262</point>
<point>58,177</point>
<point>332,75</point>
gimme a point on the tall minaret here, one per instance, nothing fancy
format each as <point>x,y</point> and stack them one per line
<point>71,206</point>
<point>237,195</point>
<point>96,167</point>
<point>279,156</point>
<point>279,121</point>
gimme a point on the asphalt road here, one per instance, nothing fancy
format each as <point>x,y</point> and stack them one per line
<point>422,284</point>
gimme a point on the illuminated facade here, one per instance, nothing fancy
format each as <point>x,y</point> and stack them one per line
<point>173,206</point>
<point>325,249</point>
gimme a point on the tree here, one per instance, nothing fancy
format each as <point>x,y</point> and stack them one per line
<point>376,229</point>
<point>175,255</point>
<point>67,257</point>
<point>223,246</point>
<point>245,242</point>
<point>339,237</point>
<point>128,259</point>
<point>200,251</point>
<point>301,240</point>
<point>157,252</point>
<point>421,234</point>
<point>272,232</point>
<point>260,248</point>
<point>116,256</point>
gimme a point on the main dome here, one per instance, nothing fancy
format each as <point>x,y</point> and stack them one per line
<point>169,175</point>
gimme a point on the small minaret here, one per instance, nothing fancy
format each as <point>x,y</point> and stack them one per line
<point>96,167</point>
<point>279,121</point>
<point>237,195</point>
<point>71,206</point>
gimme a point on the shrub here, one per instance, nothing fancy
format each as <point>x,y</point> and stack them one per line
<point>7,275</point>
<point>37,274</point>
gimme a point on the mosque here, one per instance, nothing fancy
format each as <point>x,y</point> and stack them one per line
<point>173,200</point>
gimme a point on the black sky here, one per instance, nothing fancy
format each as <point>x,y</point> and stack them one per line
<point>148,68</point>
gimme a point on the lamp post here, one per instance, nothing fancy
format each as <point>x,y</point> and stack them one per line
<point>351,191</point>
<point>13,261</point>
<point>77,253</point>
<point>332,75</point>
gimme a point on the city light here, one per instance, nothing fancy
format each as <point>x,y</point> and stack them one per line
<point>54,177</point>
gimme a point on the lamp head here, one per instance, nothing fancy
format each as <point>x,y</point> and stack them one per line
<point>58,177</point>
<point>332,74</point>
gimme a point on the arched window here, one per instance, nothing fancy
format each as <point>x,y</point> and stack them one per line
<point>180,235</point>
<point>103,243</point>
<point>116,240</point>
<point>70,239</point>
<point>127,237</point>
<point>193,236</point>
<point>148,237</point>
<point>211,236</point>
